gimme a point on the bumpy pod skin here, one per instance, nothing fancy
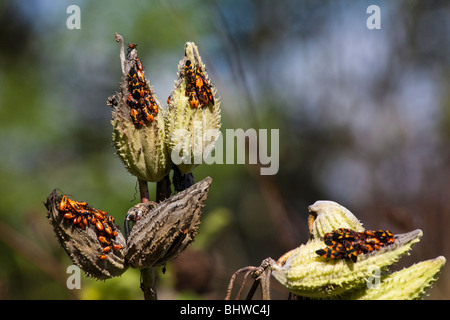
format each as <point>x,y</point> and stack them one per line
<point>163,232</point>
<point>82,245</point>
<point>142,150</point>
<point>191,131</point>
<point>306,274</point>
<point>407,284</point>
<point>303,272</point>
<point>326,216</point>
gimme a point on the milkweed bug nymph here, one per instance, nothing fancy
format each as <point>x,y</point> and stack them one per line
<point>131,46</point>
<point>346,243</point>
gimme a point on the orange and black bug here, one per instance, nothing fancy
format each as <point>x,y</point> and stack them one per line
<point>135,116</point>
<point>135,88</point>
<point>106,249</point>
<point>193,100</point>
<point>384,235</point>
<point>99,225</point>
<point>189,71</point>
<point>147,115</point>
<point>330,253</point>
<point>350,252</point>
<point>203,98</point>
<point>139,64</point>
<point>198,82</point>
<point>203,88</point>
<point>63,204</point>
<point>190,77</point>
<point>103,240</point>
<point>140,76</point>
<point>209,94</point>
<point>102,256</point>
<point>68,215</point>
<point>354,243</point>
<point>97,214</point>
<point>117,247</point>
<point>131,46</point>
<point>107,228</point>
<point>131,100</point>
<point>341,234</point>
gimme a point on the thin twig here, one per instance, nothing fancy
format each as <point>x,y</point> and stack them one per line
<point>261,275</point>
<point>252,291</point>
<point>233,278</point>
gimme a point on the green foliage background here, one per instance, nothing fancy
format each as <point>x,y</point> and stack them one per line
<point>363,116</point>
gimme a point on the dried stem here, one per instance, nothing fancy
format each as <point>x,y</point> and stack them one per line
<point>148,276</point>
<point>143,190</point>
<point>122,51</point>
<point>261,275</point>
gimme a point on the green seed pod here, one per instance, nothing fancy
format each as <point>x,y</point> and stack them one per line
<point>141,147</point>
<point>305,273</point>
<point>406,284</point>
<point>193,117</point>
<point>326,216</point>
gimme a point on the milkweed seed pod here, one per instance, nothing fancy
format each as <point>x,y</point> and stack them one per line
<point>162,232</point>
<point>305,273</point>
<point>407,284</point>
<point>193,119</point>
<point>89,236</point>
<point>326,216</point>
<point>138,121</point>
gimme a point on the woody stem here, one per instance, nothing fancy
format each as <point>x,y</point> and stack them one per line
<point>148,277</point>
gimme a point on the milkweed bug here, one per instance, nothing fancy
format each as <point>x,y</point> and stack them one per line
<point>63,204</point>
<point>193,100</point>
<point>68,215</point>
<point>347,243</point>
<point>139,64</point>
<point>99,225</point>
<point>107,228</point>
<point>147,115</point>
<point>135,117</point>
<point>103,240</point>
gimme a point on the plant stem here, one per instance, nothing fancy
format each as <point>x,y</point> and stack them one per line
<point>143,189</point>
<point>148,277</point>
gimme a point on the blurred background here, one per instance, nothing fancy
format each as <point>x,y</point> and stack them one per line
<point>364,119</point>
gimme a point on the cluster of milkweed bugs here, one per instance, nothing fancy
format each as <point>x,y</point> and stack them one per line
<point>80,214</point>
<point>198,89</point>
<point>142,105</point>
<point>346,243</point>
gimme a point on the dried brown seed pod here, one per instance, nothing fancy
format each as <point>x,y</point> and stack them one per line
<point>162,232</point>
<point>82,244</point>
